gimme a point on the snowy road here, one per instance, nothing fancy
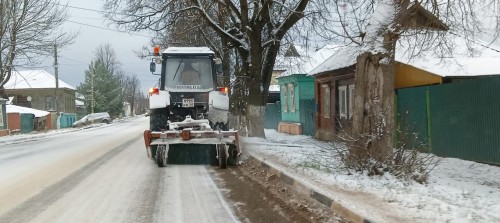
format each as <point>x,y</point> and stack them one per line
<point>102,175</point>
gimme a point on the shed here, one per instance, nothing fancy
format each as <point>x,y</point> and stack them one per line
<point>25,119</point>
<point>297,104</point>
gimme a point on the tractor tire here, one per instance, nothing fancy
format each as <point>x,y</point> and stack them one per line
<point>158,120</point>
<point>222,156</point>
<point>221,126</point>
<point>161,158</point>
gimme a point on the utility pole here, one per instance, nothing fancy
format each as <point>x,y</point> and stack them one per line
<point>56,104</point>
<point>92,92</point>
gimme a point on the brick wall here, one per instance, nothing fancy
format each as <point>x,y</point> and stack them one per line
<point>14,121</point>
<point>4,132</point>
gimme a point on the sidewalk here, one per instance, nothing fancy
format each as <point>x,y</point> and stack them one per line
<point>457,190</point>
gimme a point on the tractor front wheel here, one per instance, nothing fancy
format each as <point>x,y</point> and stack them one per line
<point>222,156</point>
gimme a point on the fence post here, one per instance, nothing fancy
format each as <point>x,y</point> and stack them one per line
<point>428,107</point>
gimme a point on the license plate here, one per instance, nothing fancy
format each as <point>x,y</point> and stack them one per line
<point>188,102</point>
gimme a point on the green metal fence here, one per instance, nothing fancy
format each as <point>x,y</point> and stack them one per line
<point>273,116</point>
<point>67,120</point>
<point>460,120</point>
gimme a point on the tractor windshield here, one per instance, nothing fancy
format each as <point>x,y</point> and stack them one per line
<point>191,74</point>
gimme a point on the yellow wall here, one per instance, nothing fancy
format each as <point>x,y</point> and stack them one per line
<point>409,76</point>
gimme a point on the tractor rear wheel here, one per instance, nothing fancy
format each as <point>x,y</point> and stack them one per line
<point>158,120</point>
<point>161,156</point>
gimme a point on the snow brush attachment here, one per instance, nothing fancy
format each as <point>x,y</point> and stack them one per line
<point>193,147</point>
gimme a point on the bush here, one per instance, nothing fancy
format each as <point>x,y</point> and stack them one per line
<point>408,159</point>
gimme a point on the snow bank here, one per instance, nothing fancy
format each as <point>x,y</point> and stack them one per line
<point>457,191</point>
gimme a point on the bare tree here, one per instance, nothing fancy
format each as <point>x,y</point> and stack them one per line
<point>28,30</point>
<point>132,94</point>
<point>253,28</point>
<point>107,56</point>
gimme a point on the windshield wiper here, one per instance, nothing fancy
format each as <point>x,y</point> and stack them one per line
<point>177,69</point>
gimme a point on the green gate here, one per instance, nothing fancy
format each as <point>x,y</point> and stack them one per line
<point>272,116</point>
<point>308,116</point>
<point>27,122</point>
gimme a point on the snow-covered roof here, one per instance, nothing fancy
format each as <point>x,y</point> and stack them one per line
<point>306,62</point>
<point>79,103</point>
<point>188,50</point>
<point>484,62</point>
<point>28,79</point>
<point>25,110</point>
<point>344,57</point>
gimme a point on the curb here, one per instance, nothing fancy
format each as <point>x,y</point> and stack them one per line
<point>310,192</point>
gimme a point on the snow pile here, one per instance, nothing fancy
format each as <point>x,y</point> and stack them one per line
<point>457,191</point>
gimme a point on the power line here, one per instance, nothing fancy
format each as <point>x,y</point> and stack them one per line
<point>91,10</point>
<point>66,58</point>
<point>100,11</point>
<point>104,28</point>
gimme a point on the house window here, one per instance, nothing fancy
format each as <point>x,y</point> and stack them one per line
<point>343,101</point>
<point>291,90</point>
<point>49,103</point>
<point>351,99</point>
<point>326,101</point>
<point>285,98</point>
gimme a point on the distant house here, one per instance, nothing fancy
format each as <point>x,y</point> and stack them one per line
<point>37,88</point>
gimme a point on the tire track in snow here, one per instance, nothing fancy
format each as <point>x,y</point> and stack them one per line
<point>37,204</point>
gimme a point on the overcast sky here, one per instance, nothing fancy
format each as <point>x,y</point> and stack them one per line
<point>75,59</point>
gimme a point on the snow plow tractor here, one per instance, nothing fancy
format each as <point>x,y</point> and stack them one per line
<point>189,113</point>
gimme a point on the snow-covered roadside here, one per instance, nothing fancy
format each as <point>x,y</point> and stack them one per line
<point>457,191</point>
<point>17,138</point>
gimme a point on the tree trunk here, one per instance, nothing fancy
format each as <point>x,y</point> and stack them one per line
<point>3,93</point>
<point>255,120</point>
<point>373,117</point>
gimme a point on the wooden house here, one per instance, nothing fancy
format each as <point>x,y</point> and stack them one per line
<point>334,81</point>
<point>297,88</point>
<point>334,84</point>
